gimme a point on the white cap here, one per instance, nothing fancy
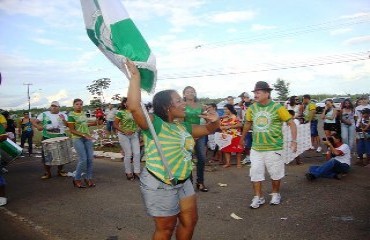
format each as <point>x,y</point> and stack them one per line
<point>56,103</point>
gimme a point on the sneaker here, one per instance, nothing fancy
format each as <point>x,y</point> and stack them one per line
<point>3,201</point>
<point>257,201</point>
<point>276,198</point>
<point>62,174</point>
<point>312,148</point>
<point>319,149</point>
<point>4,170</point>
<point>246,160</point>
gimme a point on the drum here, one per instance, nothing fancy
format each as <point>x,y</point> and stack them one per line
<point>58,151</point>
<point>10,148</point>
<point>9,151</point>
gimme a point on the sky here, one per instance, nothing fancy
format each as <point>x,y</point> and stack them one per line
<point>220,47</point>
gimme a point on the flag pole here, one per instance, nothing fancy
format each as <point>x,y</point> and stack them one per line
<point>158,145</point>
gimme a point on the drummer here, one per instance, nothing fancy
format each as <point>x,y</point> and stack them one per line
<point>52,124</point>
<point>3,137</point>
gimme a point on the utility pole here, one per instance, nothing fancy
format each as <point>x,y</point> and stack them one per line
<point>29,97</point>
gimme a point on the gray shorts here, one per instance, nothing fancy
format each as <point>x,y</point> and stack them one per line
<point>160,199</point>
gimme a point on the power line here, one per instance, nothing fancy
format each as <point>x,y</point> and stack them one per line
<point>326,60</point>
<point>333,24</point>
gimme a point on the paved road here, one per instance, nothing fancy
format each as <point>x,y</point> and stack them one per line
<point>54,209</point>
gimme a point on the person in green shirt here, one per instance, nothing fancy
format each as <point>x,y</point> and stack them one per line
<point>309,115</point>
<point>267,117</point>
<point>128,135</point>
<point>83,144</point>
<point>171,205</point>
<point>52,124</point>
<point>193,110</point>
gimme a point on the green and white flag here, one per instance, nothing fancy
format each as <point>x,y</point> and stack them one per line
<point>115,34</point>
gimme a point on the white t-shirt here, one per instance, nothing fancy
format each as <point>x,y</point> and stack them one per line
<point>295,108</point>
<point>359,108</point>
<point>53,121</point>
<point>110,114</point>
<point>346,158</point>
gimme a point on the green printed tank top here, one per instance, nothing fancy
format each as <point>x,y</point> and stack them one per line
<point>126,121</point>
<point>80,121</point>
<point>192,114</point>
<point>177,145</point>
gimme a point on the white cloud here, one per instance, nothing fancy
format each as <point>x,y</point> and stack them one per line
<point>232,30</point>
<point>45,41</point>
<point>340,31</point>
<point>259,27</point>
<point>357,15</point>
<point>231,16</point>
<point>357,40</point>
<point>53,13</point>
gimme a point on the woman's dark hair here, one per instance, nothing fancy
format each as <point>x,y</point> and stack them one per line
<point>350,104</point>
<point>329,100</point>
<point>77,100</point>
<point>212,105</point>
<point>292,101</point>
<point>161,102</point>
<point>337,136</point>
<point>123,104</point>
<point>6,114</point>
<point>186,88</point>
<point>291,112</point>
<point>231,108</point>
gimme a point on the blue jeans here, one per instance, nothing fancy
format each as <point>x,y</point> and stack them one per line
<point>248,140</point>
<point>200,151</point>
<point>363,146</point>
<point>348,134</point>
<point>109,126</point>
<point>27,135</point>
<point>313,128</point>
<point>329,169</point>
<point>85,151</point>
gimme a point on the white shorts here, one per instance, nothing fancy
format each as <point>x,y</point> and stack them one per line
<point>272,160</point>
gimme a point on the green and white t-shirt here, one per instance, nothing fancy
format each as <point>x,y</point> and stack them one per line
<point>177,144</point>
<point>126,121</point>
<point>80,121</point>
<point>267,125</point>
<point>52,123</point>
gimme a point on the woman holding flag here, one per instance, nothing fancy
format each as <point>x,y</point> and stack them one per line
<point>168,200</point>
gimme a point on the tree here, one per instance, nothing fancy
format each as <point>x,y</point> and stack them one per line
<point>96,88</point>
<point>116,97</point>
<point>282,89</point>
<point>96,102</point>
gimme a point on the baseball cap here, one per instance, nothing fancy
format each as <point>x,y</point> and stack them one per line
<point>56,103</point>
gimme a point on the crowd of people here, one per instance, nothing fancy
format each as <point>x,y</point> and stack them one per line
<point>177,129</point>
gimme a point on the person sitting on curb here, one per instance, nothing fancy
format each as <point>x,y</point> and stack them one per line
<point>339,163</point>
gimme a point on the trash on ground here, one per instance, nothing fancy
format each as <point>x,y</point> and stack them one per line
<point>233,215</point>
